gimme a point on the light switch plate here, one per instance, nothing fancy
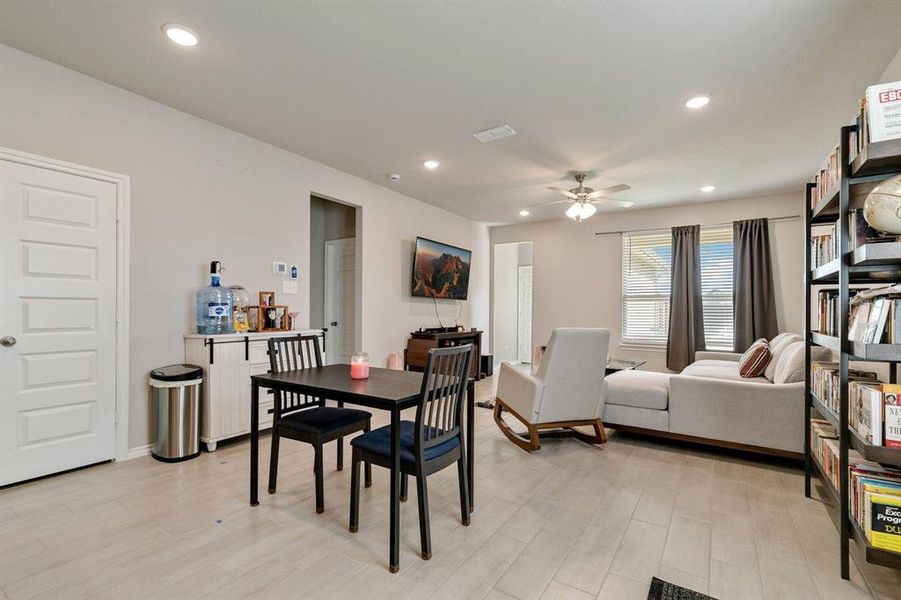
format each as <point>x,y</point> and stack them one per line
<point>289,287</point>
<point>279,268</point>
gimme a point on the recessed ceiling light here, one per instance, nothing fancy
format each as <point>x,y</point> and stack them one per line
<point>524,213</point>
<point>430,164</point>
<point>180,34</point>
<point>708,188</point>
<point>698,101</point>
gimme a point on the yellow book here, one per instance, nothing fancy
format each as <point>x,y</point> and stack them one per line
<point>883,520</point>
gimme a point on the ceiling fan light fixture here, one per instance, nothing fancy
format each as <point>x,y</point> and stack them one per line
<point>579,211</point>
<point>574,211</point>
<point>697,101</point>
<point>587,210</point>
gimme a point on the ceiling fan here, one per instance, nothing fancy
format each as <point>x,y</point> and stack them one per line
<point>583,199</point>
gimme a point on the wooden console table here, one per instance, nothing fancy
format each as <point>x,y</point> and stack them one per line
<point>421,342</point>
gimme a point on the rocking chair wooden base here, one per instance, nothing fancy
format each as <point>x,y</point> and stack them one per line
<point>531,440</point>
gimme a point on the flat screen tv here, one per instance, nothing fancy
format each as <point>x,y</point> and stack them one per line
<point>440,270</point>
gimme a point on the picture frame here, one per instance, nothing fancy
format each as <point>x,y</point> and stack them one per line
<point>267,298</point>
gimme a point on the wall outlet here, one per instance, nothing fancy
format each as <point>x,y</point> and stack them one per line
<point>289,287</point>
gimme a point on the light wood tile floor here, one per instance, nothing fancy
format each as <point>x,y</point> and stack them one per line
<point>570,521</point>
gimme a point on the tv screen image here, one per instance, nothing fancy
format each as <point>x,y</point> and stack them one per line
<point>440,270</point>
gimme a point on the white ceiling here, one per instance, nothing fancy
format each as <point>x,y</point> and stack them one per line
<point>376,88</point>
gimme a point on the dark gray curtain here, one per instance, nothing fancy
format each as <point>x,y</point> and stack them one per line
<point>686,314</point>
<point>754,302</point>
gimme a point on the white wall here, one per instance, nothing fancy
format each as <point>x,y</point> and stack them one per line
<point>577,275</point>
<point>201,192</point>
<point>892,71</point>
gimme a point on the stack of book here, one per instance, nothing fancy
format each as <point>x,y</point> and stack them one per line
<point>826,178</point>
<point>879,117</point>
<point>824,449</point>
<point>827,317</point>
<point>875,412</point>
<point>876,320</point>
<point>823,247</point>
<point>824,382</point>
<point>874,491</point>
<point>875,502</point>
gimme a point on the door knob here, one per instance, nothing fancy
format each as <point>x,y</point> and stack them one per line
<point>334,323</point>
<point>8,341</point>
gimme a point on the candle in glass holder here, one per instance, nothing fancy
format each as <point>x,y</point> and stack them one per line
<point>359,366</point>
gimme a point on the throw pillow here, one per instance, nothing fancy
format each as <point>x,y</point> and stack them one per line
<point>755,359</point>
<point>777,346</point>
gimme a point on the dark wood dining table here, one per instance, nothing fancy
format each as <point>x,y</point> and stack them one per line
<point>385,389</point>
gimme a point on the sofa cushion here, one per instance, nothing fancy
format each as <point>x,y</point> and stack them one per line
<point>777,346</point>
<point>755,359</point>
<point>641,389</point>
<point>719,369</point>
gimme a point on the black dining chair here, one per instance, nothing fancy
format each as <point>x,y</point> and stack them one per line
<point>305,418</point>
<point>431,443</point>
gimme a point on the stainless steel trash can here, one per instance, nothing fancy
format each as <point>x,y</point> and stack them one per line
<point>175,422</point>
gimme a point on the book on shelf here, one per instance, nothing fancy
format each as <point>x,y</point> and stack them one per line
<point>825,382</point>
<point>823,246</point>
<point>827,177</point>
<point>883,519</point>
<point>867,412</point>
<point>874,315</point>
<point>878,118</point>
<point>892,418</point>
<point>883,109</point>
<point>861,233</point>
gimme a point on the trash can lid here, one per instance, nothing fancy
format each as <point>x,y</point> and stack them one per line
<point>181,372</point>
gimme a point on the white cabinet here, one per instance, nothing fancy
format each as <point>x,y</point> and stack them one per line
<point>228,361</point>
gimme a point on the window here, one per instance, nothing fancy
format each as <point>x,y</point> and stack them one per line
<point>646,286</point>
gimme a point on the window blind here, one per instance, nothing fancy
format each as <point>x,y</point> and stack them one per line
<point>646,270</point>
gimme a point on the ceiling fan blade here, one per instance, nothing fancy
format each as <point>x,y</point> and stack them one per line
<point>566,193</point>
<point>620,203</point>
<point>551,203</point>
<point>622,187</point>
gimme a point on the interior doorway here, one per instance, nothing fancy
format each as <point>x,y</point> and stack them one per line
<point>512,303</point>
<point>334,277</point>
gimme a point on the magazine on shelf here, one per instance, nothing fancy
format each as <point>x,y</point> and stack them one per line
<point>884,111</point>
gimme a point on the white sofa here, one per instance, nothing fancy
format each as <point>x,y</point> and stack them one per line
<point>710,402</point>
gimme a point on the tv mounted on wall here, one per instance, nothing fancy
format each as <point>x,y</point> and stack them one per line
<point>440,270</point>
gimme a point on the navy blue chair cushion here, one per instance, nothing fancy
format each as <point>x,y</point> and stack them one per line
<point>379,442</point>
<point>324,419</point>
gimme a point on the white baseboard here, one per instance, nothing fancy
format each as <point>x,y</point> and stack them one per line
<point>138,452</point>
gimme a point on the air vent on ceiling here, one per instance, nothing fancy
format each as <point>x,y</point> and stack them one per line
<point>495,133</point>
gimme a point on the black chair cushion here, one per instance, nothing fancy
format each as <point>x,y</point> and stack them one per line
<point>323,419</point>
<point>379,442</point>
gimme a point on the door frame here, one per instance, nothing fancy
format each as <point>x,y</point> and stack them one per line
<point>519,272</point>
<point>123,202</point>
<point>330,247</point>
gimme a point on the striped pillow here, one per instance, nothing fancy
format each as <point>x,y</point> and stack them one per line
<point>755,359</point>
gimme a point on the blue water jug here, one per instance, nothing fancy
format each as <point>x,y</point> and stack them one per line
<point>215,305</point>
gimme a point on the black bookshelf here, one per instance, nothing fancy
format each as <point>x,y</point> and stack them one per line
<point>867,264</point>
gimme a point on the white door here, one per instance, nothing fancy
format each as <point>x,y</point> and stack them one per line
<point>340,294</point>
<point>58,321</point>
<point>524,314</point>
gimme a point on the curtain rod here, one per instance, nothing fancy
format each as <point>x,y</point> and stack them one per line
<point>771,220</point>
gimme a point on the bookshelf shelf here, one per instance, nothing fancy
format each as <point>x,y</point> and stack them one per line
<point>885,253</point>
<point>826,273</point>
<point>826,210</point>
<point>868,264</point>
<point>861,548</point>
<point>880,454</point>
<point>877,158</point>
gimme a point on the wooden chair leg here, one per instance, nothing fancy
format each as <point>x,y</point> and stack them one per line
<point>367,466</point>
<point>340,466</point>
<point>320,492</point>
<point>599,431</point>
<point>403,487</point>
<point>533,443</point>
<point>425,534</point>
<point>354,520</point>
<point>464,490</point>
<point>273,461</point>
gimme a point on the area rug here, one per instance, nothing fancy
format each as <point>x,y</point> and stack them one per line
<point>664,590</point>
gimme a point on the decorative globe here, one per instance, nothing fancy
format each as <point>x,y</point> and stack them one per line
<point>882,208</point>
